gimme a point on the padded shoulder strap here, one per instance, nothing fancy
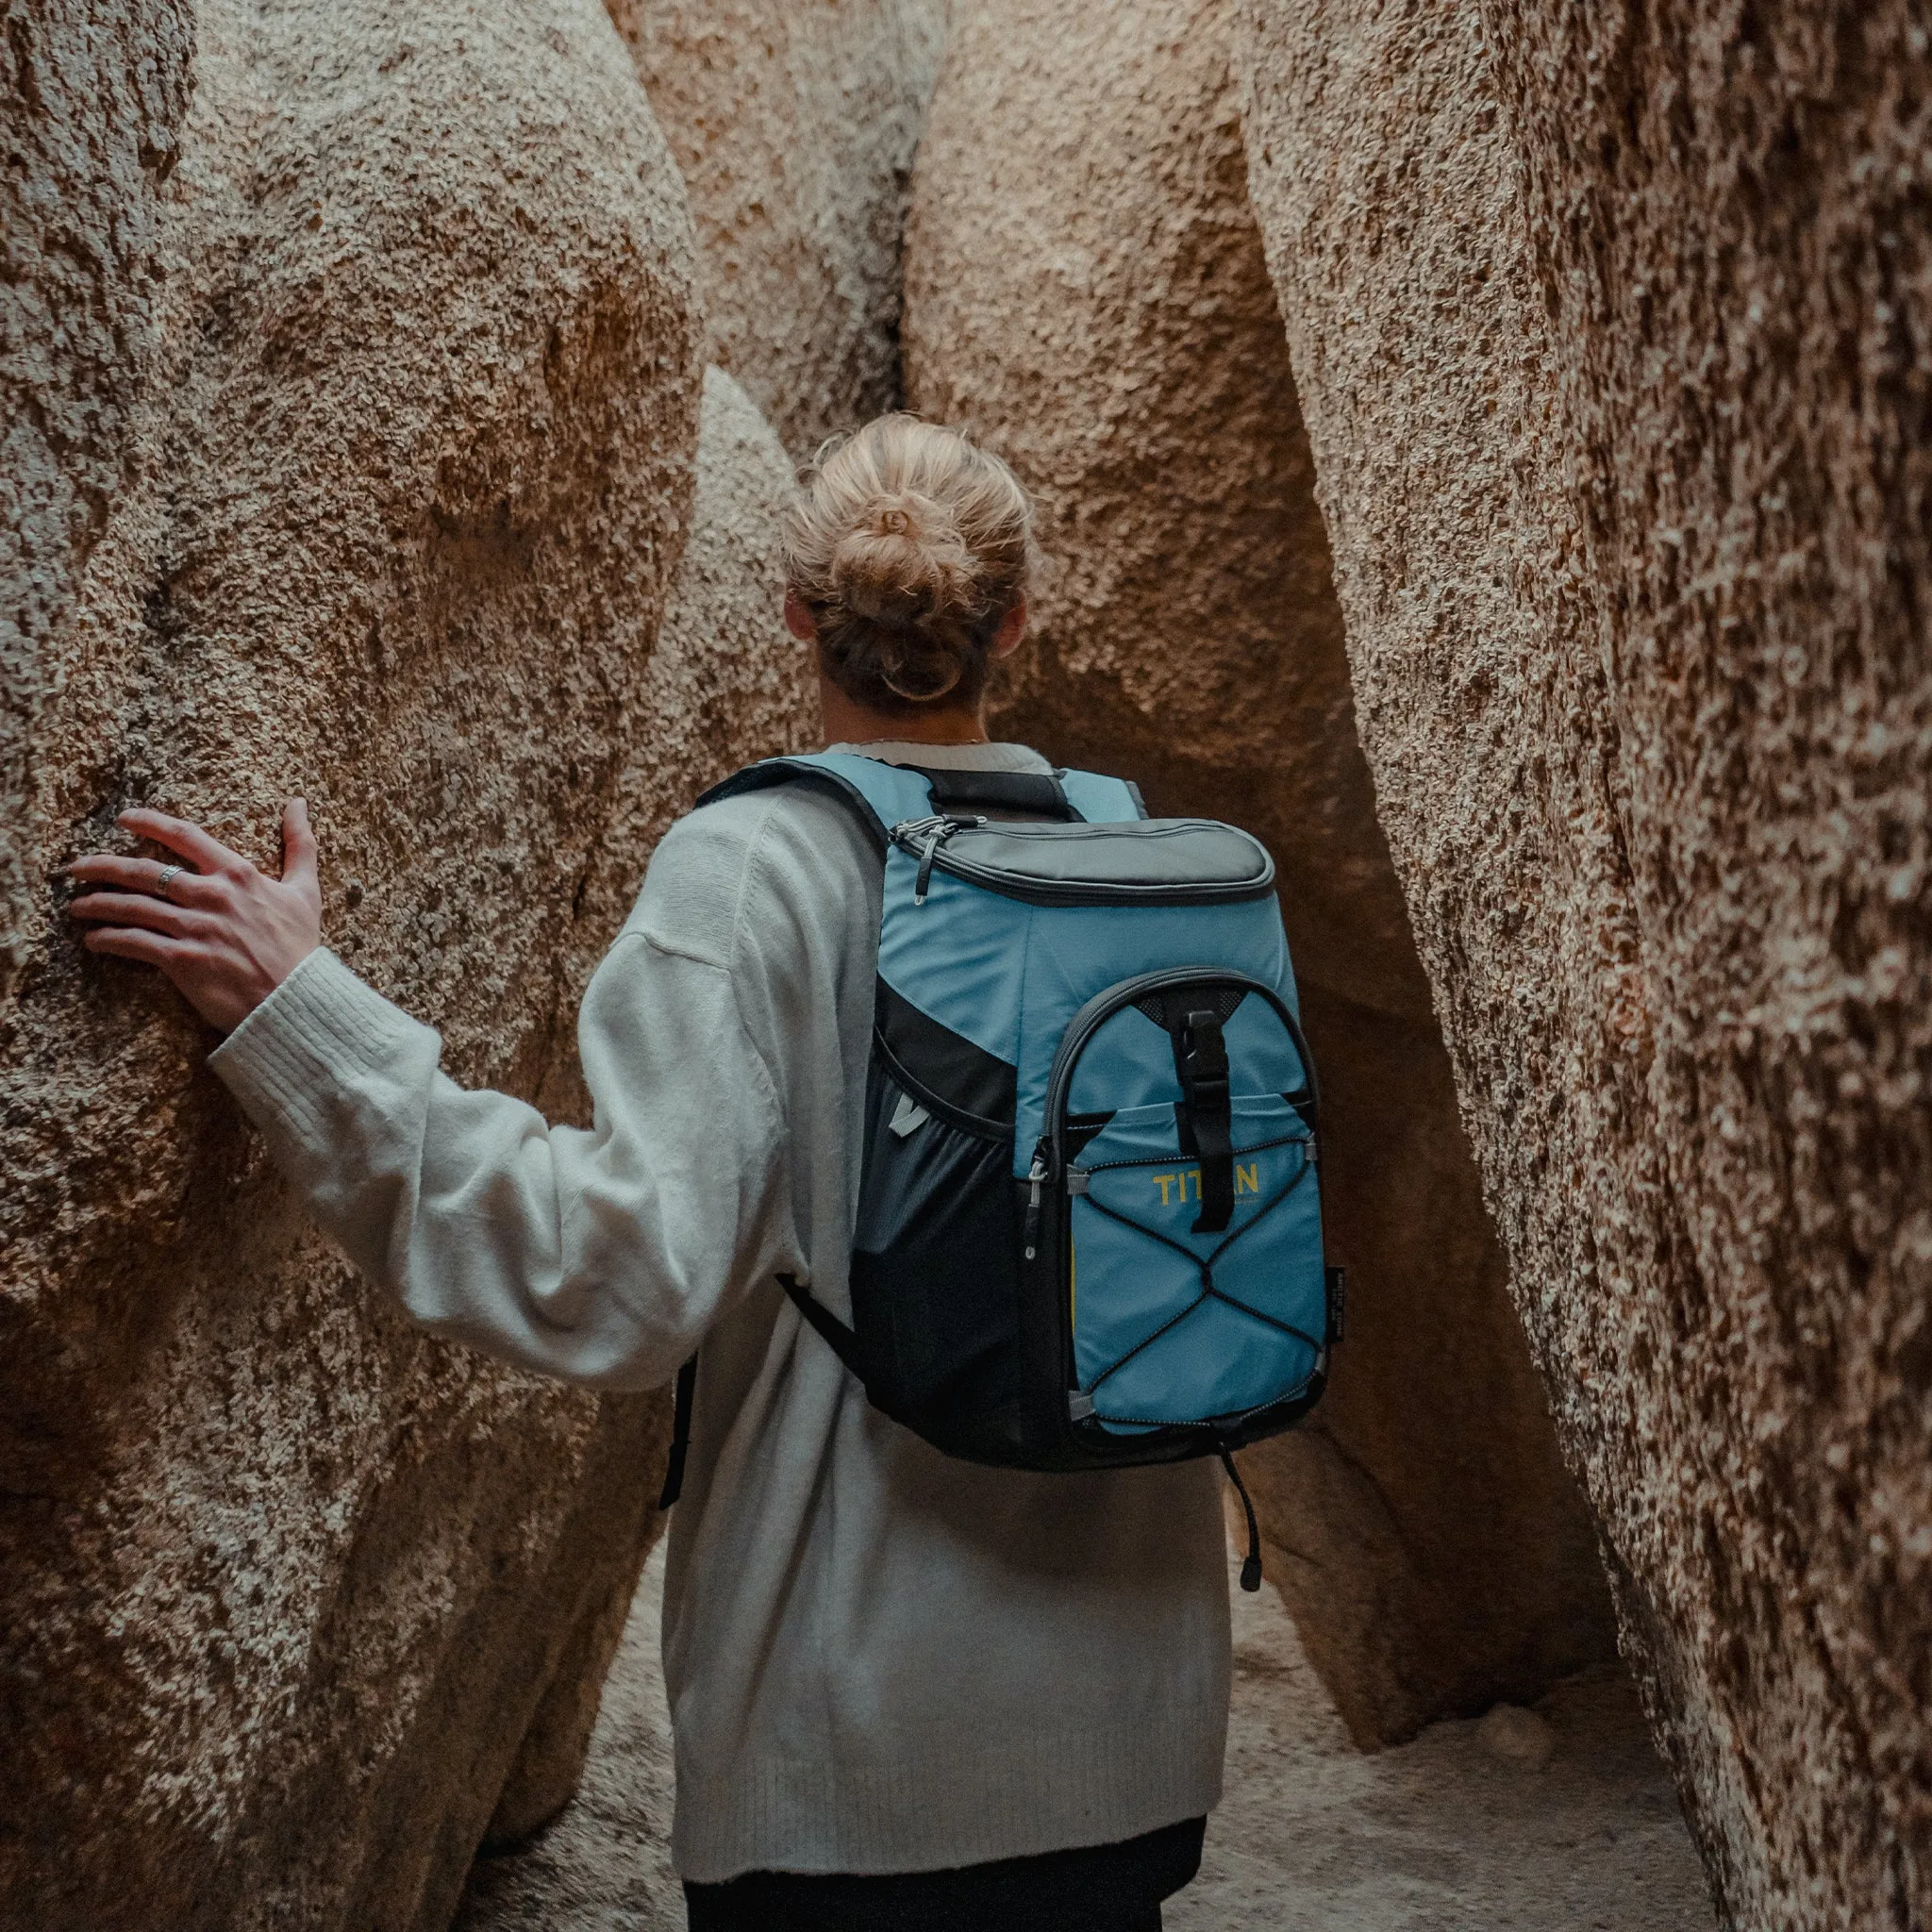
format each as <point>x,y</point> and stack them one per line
<point>1103,801</point>
<point>886,794</point>
<point>882,795</point>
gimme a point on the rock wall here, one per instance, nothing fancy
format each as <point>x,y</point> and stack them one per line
<point>726,684</point>
<point>349,360</point>
<point>362,392</point>
<point>1126,354</point>
<point>1613,330</point>
<point>795,127</point>
<point>95,107</point>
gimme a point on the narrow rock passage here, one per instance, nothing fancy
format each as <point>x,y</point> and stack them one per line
<point>1445,1835</point>
<point>605,1865</point>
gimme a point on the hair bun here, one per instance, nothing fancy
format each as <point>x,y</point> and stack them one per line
<point>905,565</point>
<point>907,547</point>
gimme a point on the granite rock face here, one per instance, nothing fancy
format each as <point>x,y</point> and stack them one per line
<point>366,381</point>
<point>1612,327</point>
<point>794,126</point>
<point>726,684</point>
<point>96,101</point>
<point>1127,355</point>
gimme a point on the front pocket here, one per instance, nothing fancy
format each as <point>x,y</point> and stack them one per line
<point>1171,1327</point>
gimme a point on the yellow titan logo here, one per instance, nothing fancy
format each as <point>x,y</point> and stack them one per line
<point>1246,1181</point>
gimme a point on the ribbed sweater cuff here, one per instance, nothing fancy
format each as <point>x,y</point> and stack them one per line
<point>319,1029</point>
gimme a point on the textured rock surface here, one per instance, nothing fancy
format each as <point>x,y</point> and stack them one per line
<point>1438,1836</point>
<point>726,684</point>
<point>795,126</point>
<point>1127,355</point>
<point>605,1865</point>
<point>95,99</point>
<point>380,414</point>
<point>1613,330</point>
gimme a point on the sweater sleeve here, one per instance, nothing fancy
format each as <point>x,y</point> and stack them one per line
<point>600,1256</point>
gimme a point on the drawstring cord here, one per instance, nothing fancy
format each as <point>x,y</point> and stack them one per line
<point>1250,1569</point>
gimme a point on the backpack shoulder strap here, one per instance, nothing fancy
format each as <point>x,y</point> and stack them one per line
<point>884,795</point>
<point>880,795</point>
<point>680,1433</point>
<point>1101,800</point>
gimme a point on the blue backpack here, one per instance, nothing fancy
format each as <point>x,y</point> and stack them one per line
<point>1089,1225</point>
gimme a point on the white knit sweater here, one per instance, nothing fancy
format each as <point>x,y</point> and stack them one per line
<point>878,1659</point>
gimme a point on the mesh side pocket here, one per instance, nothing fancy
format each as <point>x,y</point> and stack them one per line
<point>935,1282</point>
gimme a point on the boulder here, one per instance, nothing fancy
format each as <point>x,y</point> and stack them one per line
<point>726,684</point>
<point>1612,328</point>
<point>95,105</point>
<point>1127,355</point>
<point>795,128</point>
<point>366,385</point>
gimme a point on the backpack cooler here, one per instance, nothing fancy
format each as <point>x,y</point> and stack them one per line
<point>1089,1224</point>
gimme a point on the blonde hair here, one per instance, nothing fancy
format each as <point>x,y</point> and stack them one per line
<point>908,545</point>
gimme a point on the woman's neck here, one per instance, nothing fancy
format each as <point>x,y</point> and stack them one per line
<point>847,722</point>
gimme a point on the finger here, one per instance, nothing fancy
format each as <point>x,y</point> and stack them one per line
<point>182,836</point>
<point>144,875</point>
<point>299,854</point>
<point>133,909</point>
<point>130,943</point>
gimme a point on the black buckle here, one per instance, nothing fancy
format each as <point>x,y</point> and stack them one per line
<point>1200,1060</point>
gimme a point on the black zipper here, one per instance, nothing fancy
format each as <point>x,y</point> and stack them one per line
<point>926,843</point>
<point>923,836</point>
<point>1301,1140</point>
<point>1037,1176</point>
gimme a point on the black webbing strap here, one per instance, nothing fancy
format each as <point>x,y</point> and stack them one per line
<point>1201,1056</point>
<point>680,1433</point>
<point>841,1340</point>
<point>1033,794</point>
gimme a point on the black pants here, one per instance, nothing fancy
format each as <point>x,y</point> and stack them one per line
<point>1113,1888</point>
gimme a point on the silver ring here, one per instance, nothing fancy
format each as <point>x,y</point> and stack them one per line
<point>168,872</point>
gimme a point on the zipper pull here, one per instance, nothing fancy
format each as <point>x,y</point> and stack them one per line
<point>941,829</point>
<point>1036,1179</point>
<point>933,840</point>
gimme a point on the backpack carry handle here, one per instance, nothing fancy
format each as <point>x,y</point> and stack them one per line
<point>1034,794</point>
<point>882,795</point>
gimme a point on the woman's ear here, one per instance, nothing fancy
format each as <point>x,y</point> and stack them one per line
<point>798,620</point>
<point>1005,641</point>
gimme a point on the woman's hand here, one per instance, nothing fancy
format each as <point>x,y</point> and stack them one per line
<point>224,933</point>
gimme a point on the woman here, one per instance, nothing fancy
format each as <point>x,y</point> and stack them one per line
<point>906,1691</point>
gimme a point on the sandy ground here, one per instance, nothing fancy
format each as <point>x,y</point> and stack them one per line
<point>1463,1830</point>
